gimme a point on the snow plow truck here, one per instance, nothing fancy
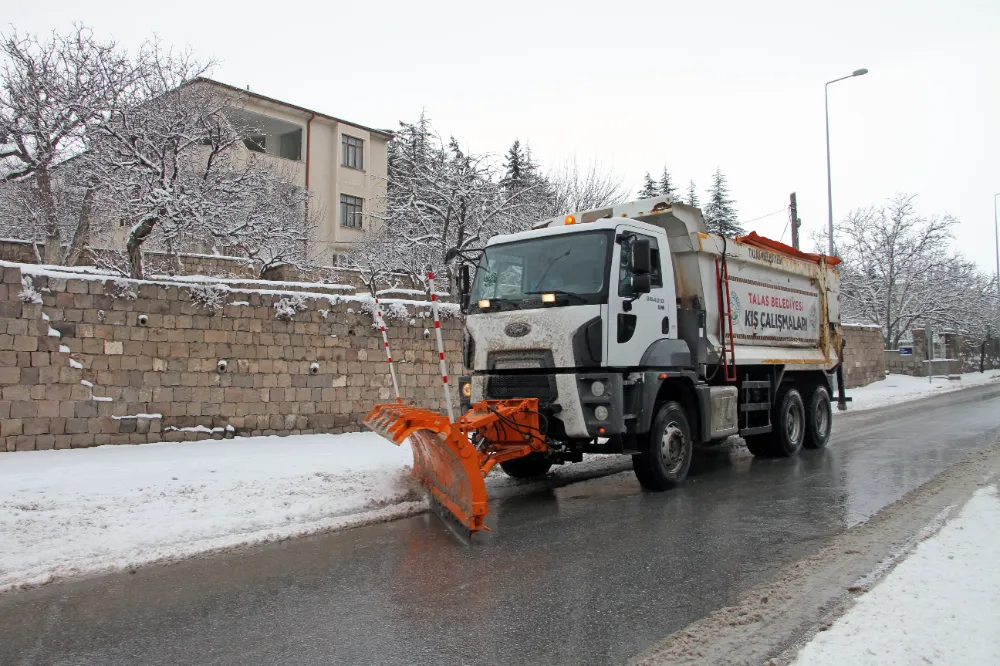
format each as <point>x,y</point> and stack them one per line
<point>632,330</point>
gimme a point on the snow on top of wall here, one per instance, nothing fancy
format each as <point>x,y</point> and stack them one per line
<point>858,324</point>
<point>417,292</point>
<point>70,273</point>
<point>250,281</point>
<point>241,260</point>
<point>201,428</point>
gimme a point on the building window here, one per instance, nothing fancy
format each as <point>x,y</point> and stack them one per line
<point>290,145</point>
<point>352,152</point>
<point>351,210</point>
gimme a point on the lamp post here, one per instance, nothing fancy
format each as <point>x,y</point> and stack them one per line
<point>829,181</point>
<point>996,231</point>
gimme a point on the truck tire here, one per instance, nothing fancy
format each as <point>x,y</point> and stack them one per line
<point>819,419</point>
<point>528,467</point>
<point>666,453</point>
<point>789,419</point>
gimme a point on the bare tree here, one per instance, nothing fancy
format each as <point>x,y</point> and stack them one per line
<point>898,270</point>
<point>381,261</point>
<point>274,224</point>
<point>52,93</point>
<point>583,187</point>
<point>171,157</point>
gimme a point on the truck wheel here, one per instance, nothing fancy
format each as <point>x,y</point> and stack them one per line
<point>666,454</point>
<point>789,423</point>
<point>528,467</point>
<point>819,419</point>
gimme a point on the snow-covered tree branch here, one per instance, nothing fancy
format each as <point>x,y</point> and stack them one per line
<point>53,92</point>
<point>899,272</point>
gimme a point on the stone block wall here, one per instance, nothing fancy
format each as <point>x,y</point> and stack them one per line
<point>18,251</point>
<point>119,362</point>
<point>863,360</point>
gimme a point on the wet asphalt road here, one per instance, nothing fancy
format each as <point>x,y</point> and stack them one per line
<point>589,573</point>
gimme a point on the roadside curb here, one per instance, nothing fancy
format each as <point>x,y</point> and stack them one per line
<point>771,622</point>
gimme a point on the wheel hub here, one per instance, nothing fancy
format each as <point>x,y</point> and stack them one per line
<point>793,424</point>
<point>822,420</point>
<point>672,447</point>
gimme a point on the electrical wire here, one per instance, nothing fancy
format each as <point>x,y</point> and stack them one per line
<point>756,219</point>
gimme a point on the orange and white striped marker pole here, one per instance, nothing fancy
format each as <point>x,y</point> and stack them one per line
<point>388,352</point>
<point>437,332</point>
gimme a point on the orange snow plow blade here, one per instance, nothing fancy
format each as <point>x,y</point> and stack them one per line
<point>453,459</point>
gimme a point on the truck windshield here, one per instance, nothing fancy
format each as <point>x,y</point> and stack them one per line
<point>572,266</point>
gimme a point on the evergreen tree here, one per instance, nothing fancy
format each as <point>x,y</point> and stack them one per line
<point>516,168</point>
<point>530,168</point>
<point>720,212</point>
<point>692,199</point>
<point>649,189</point>
<point>667,188</point>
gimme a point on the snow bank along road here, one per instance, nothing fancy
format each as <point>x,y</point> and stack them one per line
<point>112,508</point>
<point>590,572</point>
<point>940,605</point>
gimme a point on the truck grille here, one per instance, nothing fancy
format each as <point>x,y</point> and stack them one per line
<point>502,387</point>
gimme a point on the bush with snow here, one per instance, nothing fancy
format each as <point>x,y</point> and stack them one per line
<point>28,293</point>
<point>286,308</point>
<point>124,290</point>
<point>210,297</point>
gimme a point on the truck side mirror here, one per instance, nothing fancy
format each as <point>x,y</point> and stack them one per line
<point>463,287</point>
<point>641,284</point>
<point>642,260</point>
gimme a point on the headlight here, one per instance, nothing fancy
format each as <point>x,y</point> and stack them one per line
<point>467,390</point>
<point>597,389</point>
<point>601,412</point>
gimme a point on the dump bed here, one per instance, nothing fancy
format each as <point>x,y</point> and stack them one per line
<point>778,305</point>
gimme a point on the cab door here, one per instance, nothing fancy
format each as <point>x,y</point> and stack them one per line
<point>635,321</point>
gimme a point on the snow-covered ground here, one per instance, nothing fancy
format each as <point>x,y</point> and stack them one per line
<point>112,508</point>
<point>64,513</point>
<point>941,605</point>
<point>901,388</point>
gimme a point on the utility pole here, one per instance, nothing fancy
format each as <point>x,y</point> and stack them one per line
<point>793,219</point>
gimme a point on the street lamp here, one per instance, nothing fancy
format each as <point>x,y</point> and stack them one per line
<point>829,182</point>
<point>996,230</point>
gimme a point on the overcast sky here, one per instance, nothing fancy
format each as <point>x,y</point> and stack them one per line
<point>637,85</point>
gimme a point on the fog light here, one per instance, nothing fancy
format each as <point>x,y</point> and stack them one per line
<point>601,412</point>
<point>467,390</point>
<point>483,304</point>
<point>597,389</point>
<point>548,298</point>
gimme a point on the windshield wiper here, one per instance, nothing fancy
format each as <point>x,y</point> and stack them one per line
<point>561,292</point>
<point>547,268</point>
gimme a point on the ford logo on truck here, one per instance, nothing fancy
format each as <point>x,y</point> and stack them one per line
<point>517,329</point>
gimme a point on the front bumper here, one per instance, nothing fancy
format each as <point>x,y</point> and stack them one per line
<point>571,404</point>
